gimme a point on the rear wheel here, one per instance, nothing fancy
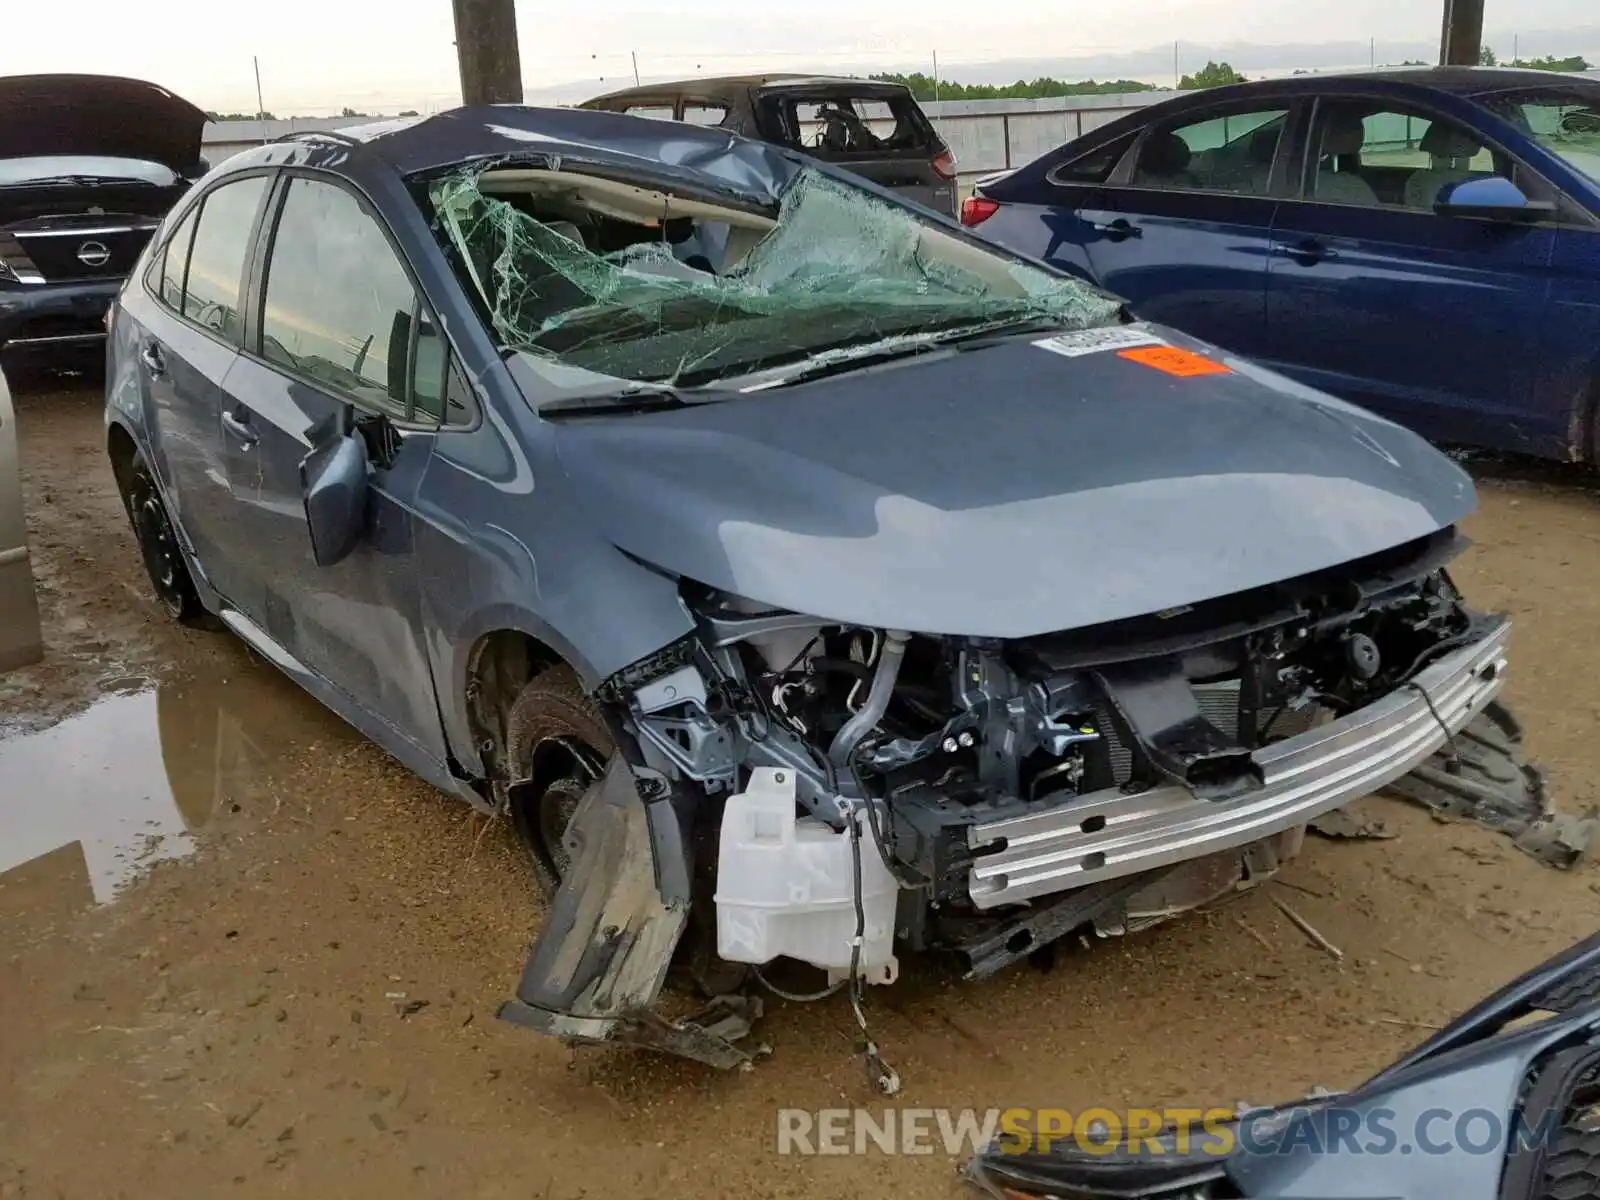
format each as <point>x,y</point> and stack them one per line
<point>159,547</point>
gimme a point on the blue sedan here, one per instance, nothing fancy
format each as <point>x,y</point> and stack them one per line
<point>1425,243</point>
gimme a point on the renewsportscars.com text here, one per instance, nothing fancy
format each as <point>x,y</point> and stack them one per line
<point>1157,1132</point>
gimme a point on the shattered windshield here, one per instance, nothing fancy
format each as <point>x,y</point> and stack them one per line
<point>640,285</point>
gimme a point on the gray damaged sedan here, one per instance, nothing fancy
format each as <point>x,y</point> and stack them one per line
<point>806,579</point>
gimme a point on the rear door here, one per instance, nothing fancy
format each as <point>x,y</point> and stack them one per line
<point>1038,212</point>
<point>188,334</point>
<point>1182,229</point>
<point>1434,321</point>
<point>881,135</point>
<point>338,334</point>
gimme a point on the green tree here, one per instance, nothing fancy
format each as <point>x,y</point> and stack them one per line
<point>1487,57</point>
<point>1213,74</point>
<point>1550,62</point>
<point>923,88</point>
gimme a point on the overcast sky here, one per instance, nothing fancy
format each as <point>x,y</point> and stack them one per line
<point>322,54</point>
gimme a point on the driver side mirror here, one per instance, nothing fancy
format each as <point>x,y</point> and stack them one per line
<point>1494,198</point>
<point>333,483</point>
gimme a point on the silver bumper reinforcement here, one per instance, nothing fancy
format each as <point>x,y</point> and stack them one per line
<point>1108,834</point>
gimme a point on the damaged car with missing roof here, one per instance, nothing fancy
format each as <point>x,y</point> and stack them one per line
<point>807,579</point>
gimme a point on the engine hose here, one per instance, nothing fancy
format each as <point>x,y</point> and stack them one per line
<point>883,681</point>
<point>822,664</point>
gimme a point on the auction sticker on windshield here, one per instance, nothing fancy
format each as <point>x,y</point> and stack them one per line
<point>1096,341</point>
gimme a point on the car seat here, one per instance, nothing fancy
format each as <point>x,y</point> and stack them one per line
<point>1164,162</point>
<point>1451,150</point>
<point>1262,150</point>
<point>1343,135</point>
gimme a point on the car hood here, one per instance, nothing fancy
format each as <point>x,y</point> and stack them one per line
<point>98,114</point>
<point>1009,490</point>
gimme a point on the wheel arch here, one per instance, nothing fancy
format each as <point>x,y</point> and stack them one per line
<point>494,663</point>
<point>1584,437</point>
<point>121,448</point>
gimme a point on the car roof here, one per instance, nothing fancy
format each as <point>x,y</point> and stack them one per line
<point>726,85</point>
<point>698,156</point>
<point>1468,82</point>
<point>1475,81</point>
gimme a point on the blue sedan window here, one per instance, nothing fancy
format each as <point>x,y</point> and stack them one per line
<point>1232,153</point>
<point>1374,156</point>
<point>1565,121</point>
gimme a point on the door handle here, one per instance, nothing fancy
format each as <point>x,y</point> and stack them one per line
<point>1117,230</point>
<point>1307,253</point>
<point>152,358</point>
<point>241,428</point>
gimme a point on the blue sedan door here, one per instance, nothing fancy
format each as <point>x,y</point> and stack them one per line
<point>1182,231</point>
<point>1038,207</point>
<point>334,340</point>
<point>1434,321</point>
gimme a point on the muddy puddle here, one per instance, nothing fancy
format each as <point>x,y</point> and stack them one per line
<point>138,777</point>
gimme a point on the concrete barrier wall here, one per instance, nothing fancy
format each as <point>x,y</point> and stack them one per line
<point>992,135</point>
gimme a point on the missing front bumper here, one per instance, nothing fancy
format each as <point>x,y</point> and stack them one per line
<point>1108,834</point>
<point>597,968</point>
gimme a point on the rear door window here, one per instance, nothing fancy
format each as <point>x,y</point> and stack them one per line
<point>168,278</point>
<point>1232,152</point>
<point>705,114</point>
<point>1095,166</point>
<point>842,125</point>
<point>221,244</point>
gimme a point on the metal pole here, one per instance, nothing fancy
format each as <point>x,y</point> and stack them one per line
<point>634,54</point>
<point>1177,71</point>
<point>1461,39</point>
<point>936,78</point>
<point>486,51</point>
<point>261,106</point>
<point>1372,53</point>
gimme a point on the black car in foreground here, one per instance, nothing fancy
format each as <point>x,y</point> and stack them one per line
<point>89,164</point>
<point>1501,1104</point>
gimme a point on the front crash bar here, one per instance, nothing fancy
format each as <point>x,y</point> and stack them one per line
<point>1110,834</point>
<point>598,965</point>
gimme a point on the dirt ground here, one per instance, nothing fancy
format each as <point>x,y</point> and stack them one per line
<point>243,953</point>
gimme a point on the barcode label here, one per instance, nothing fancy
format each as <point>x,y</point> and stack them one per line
<point>1097,341</point>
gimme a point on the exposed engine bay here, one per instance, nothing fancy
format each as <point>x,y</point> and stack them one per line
<point>983,796</point>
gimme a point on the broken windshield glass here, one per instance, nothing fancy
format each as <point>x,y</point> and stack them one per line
<point>640,285</point>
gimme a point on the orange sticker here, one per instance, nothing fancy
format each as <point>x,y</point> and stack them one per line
<point>1174,360</point>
